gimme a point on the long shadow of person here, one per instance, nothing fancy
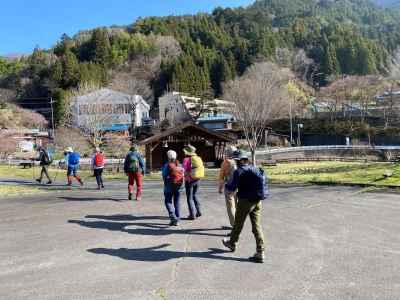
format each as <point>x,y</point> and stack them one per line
<point>154,254</point>
<point>153,229</point>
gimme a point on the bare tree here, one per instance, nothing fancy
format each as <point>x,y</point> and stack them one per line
<point>134,87</point>
<point>259,96</point>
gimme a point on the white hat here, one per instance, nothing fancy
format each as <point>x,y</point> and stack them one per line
<point>98,149</point>
<point>69,149</point>
<point>171,154</point>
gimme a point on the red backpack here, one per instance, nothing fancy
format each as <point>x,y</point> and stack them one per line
<point>99,160</point>
<point>176,173</point>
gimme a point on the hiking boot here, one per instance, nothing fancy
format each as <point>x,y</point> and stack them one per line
<point>99,188</point>
<point>49,182</point>
<point>39,181</point>
<point>259,257</point>
<point>173,223</point>
<point>198,215</point>
<point>130,196</point>
<point>191,218</point>
<point>227,243</point>
<point>102,186</point>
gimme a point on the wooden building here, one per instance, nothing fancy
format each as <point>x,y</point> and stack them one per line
<point>210,145</point>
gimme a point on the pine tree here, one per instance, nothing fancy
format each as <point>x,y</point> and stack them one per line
<point>100,46</point>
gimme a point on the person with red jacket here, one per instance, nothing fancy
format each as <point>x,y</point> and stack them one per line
<point>98,163</point>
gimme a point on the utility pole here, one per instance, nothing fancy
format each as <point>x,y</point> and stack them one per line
<point>52,120</point>
<point>291,121</point>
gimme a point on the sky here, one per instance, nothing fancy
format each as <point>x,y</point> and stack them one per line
<point>25,24</point>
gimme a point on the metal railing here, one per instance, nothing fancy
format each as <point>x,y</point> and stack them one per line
<point>322,148</point>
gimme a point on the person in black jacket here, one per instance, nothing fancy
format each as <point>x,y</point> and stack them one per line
<point>250,183</point>
<point>45,161</point>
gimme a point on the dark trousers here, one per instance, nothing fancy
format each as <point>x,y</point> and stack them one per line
<point>253,209</point>
<point>192,199</point>
<point>98,173</point>
<point>45,172</point>
<point>172,204</point>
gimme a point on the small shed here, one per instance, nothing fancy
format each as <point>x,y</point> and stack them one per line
<point>210,145</point>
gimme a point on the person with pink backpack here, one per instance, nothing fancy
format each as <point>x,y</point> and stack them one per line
<point>98,163</point>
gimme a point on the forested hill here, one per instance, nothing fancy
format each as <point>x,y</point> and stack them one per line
<point>196,54</point>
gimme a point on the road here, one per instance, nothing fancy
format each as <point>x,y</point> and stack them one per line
<point>323,243</point>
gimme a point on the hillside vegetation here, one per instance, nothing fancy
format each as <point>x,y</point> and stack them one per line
<point>319,40</point>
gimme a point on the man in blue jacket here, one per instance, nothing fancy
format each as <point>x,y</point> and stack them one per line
<point>251,187</point>
<point>72,160</point>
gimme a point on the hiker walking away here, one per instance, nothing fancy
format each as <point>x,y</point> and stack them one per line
<point>134,168</point>
<point>72,159</point>
<point>98,167</point>
<point>173,176</point>
<point>228,168</point>
<point>45,161</point>
<point>251,186</point>
<point>194,172</point>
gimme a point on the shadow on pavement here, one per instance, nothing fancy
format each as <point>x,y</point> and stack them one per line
<point>84,199</point>
<point>152,229</point>
<point>155,254</point>
<point>125,217</point>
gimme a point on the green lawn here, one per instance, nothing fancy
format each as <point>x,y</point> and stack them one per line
<point>335,172</point>
<point>305,172</point>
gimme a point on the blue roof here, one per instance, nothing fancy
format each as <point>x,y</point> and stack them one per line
<point>218,117</point>
<point>116,127</point>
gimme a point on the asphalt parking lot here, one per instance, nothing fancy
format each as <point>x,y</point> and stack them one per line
<point>322,243</point>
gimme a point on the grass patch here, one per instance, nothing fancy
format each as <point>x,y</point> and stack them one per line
<point>335,173</point>
<point>14,190</point>
<point>304,172</point>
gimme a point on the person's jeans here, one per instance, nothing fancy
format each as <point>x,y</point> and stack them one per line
<point>192,199</point>
<point>132,178</point>
<point>245,208</point>
<point>172,204</point>
<point>45,172</point>
<point>99,178</point>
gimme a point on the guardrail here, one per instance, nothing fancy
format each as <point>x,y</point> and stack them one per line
<point>321,148</point>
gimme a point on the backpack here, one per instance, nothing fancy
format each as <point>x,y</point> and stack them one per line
<point>256,179</point>
<point>99,160</point>
<point>176,173</point>
<point>197,167</point>
<point>133,163</point>
<point>46,158</point>
<point>73,158</point>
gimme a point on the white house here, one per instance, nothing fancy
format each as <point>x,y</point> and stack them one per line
<point>178,108</point>
<point>109,109</point>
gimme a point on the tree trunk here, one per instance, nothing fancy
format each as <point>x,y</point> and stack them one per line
<point>253,157</point>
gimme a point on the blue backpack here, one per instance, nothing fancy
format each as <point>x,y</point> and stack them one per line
<point>73,159</point>
<point>256,179</point>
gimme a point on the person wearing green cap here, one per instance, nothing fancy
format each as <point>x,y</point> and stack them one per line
<point>251,185</point>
